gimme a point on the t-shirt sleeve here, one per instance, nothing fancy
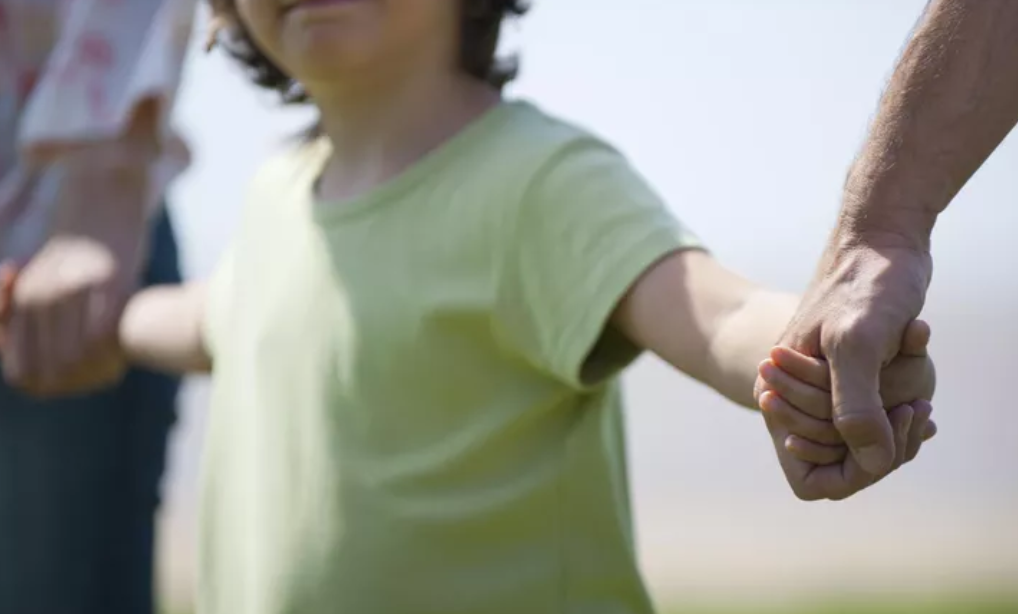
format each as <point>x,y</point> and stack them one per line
<point>587,229</point>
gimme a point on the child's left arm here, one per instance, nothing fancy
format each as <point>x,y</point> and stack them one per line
<point>715,326</point>
<point>593,268</point>
<point>705,320</point>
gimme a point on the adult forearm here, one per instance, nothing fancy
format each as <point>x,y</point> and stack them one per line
<point>952,100</point>
<point>105,188</point>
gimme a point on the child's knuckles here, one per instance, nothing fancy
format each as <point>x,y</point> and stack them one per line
<point>783,414</point>
<point>814,401</point>
<point>772,377</point>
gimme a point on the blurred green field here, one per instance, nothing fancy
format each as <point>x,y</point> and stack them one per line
<point>953,605</point>
<point>857,606</point>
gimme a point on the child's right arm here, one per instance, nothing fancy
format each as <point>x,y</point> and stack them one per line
<point>162,329</point>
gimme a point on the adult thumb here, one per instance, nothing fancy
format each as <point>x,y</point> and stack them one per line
<point>857,410</point>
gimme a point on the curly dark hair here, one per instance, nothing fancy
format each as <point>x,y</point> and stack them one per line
<point>479,36</point>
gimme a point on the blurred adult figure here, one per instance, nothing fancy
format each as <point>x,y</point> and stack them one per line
<point>85,154</point>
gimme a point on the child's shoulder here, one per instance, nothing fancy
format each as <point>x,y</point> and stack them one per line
<point>535,147</point>
<point>541,135</point>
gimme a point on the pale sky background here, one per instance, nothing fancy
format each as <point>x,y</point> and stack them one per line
<point>745,115</point>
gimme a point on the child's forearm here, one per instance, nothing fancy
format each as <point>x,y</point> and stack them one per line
<point>744,339</point>
<point>161,329</point>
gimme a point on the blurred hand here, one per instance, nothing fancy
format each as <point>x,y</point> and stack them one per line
<point>855,316</point>
<point>795,398</point>
<point>60,326</point>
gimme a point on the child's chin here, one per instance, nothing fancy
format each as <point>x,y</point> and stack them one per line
<point>326,57</point>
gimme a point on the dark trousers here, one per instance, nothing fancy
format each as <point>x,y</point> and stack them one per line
<point>80,487</point>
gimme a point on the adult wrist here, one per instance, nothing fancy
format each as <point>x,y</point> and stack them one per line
<point>885,206</point>
<point>871,219</point>
<point>104,190</point>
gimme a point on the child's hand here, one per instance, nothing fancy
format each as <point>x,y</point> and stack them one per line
<point>798,396</point>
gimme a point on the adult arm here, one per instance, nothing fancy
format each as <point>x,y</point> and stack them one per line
<point>952,100</point>
<point>95,155</point>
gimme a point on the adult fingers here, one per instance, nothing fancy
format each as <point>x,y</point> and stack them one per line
<point>70,348</point>
<point>46,339</point>
<point>838,481</point>
<point>815,453</point>
<point>802,396</point>
<point>798,423</point>
<point>901,419</point>
<point>796,471</point>
<point>857,410</point>
<point>923,429</point>
<point>98,371</point>
<point>17,346</point>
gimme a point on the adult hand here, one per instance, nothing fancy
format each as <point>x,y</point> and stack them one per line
<point>60,332</point>
<point>855,314</point>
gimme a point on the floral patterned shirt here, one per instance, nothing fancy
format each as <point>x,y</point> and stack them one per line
<point>73,71</point>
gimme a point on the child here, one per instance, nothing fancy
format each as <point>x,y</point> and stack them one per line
<point>416,337</point>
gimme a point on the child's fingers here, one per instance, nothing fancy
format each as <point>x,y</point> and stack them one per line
<point>813,371</point>
<point>901,418</point>
<point>814,453</point>
<point>804,397</point>
<point>796,422</point>
<point>916,339</point>
<point>816,371</point>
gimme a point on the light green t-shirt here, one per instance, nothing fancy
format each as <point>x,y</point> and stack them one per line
<point>416,406</point>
